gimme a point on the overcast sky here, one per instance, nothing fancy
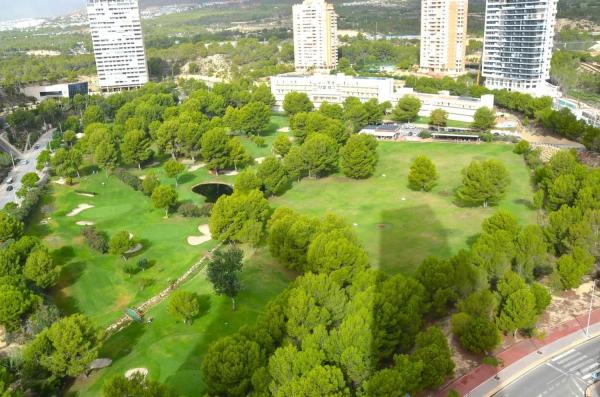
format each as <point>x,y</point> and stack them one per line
<point>17,9</point>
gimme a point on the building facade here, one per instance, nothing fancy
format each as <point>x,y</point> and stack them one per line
<point>517,45</point>
<point>443,36</point>
<point>116,31</point>
<point>315,36</point>
<point>66,90</point>
<point>331,88</point>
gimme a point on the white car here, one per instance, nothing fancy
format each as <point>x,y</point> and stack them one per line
<point>9,180</point>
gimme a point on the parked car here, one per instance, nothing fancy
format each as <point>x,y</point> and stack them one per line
<point>9,188</point>
<point>36,146</point>
<point>9,180</point>
<point>24,162</point>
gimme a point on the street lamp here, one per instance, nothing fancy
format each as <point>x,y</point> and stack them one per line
<point>587,328</point>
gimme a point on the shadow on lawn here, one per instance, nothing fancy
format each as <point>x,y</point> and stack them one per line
<point>409,235</point>
<point>122,343</point>
<point>187,177</point>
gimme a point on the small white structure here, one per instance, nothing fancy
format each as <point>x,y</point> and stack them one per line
<point>459,108</point>
<point>65,90</point>
<point>331,88</point>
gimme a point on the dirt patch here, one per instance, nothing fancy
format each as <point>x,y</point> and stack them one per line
<point>79,209</point>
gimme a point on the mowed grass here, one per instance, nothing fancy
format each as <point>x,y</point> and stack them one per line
<point>93,283</point>
<point>400,227</point>
<point>173,351</point>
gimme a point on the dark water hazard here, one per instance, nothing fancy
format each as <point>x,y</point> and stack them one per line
<point>212,191</point>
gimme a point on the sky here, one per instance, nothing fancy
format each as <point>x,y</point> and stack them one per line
<point>18,9</point>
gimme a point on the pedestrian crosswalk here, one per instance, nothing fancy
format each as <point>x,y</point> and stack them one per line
<point>577,363</point>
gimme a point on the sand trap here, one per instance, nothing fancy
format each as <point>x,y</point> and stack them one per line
<point>197,240</point>
<point>85,223</point>
<point>134,371</point>
<point>86,194</point>
<point>204,229</point>
<point>142,177</point>
<point>60,181</point>
<point>283,129</point>
<point>130,235</point>
<point>134,249</point>
<point>79,135</point>
<point>196,167</point>
<point>259,160</point>
<point>231,173</point>
<point>80,208</point>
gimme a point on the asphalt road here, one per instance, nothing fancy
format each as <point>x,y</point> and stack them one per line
<point>21,169</point>
<point>565,375</point>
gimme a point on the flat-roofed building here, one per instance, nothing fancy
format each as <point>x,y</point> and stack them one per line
<point>116,31</point>
<point>443,36</point>
<point>64,90</point>
<point>330,88</point>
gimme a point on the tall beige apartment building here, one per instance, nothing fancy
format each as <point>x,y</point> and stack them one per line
<point>443,36</point>
<point>315,36</point>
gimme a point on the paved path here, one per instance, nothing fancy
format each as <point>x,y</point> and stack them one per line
<point>522,357</point>
<point>19,170</point>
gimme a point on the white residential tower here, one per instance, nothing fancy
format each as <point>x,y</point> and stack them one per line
<point>443,36</point>
<point>315,36</point>
<point>116,31</point>
<point>517,45</point>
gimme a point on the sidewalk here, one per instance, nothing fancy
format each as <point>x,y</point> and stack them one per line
<point>523,356</point>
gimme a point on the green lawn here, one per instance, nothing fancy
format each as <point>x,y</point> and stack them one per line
<point>173,351</point>
<point>400,227</point>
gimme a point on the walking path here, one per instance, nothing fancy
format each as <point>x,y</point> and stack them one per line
<point>522,357</point>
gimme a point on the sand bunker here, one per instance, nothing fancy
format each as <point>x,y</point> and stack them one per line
<point>259,160</point>
<point>86,194</point>
<point>134,371</point>
<point>60,181</point>
<point>196,167</point>
<point>142,177</point>
<point>80,208</point>
<point>197,240</point>
<point>283,129</point>
<point>85,223</point>
<point>231,173</point>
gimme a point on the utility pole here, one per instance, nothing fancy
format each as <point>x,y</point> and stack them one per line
<point>587,329</point>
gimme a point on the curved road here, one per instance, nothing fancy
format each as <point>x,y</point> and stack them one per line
<point>565,375</point>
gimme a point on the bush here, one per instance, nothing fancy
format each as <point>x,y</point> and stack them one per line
<point>128,178</point>
<point>29,203</point>
<point>259,141</point>
<point>189,210</point>
<point>425,134</point>
<point>95,240</point>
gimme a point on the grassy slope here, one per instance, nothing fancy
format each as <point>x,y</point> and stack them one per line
<point>423,223</point>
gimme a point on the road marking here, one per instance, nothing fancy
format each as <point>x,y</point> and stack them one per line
<point>574,365</point>
<point>589,367</point>
<point>563,355</point>
<point>570,360</point>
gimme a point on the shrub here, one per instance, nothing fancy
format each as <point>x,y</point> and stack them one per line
<point>424,134</point>
<point>128,178</point>
<point>95,240</point>
<point>259,141</point>
<point>29,203</point>
<point>189,210</point>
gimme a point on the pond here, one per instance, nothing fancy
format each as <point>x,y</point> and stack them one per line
<point>212,191</point>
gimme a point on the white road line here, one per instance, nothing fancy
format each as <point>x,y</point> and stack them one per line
<point>563,355</point>
<point>592,366</point>
<point>570,363</point>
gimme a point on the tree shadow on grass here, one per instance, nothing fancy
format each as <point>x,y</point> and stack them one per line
<point>122,343</point>
<point>409,235</point>
<point>203,304</point>
<point>525,202</point>
<point>63,255</point>
<point>70,273</point>
<point>187,177</point>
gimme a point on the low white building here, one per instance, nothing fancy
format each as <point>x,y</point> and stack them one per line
<point>459,108</point>
<point>336,88</point>
<point>332,88</point>
<point>65,90</point>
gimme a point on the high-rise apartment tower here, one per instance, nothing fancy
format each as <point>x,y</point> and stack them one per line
<point>443,36</point>
<point>116,31</point>
<point>315,36</point>
<point>517,45</point>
